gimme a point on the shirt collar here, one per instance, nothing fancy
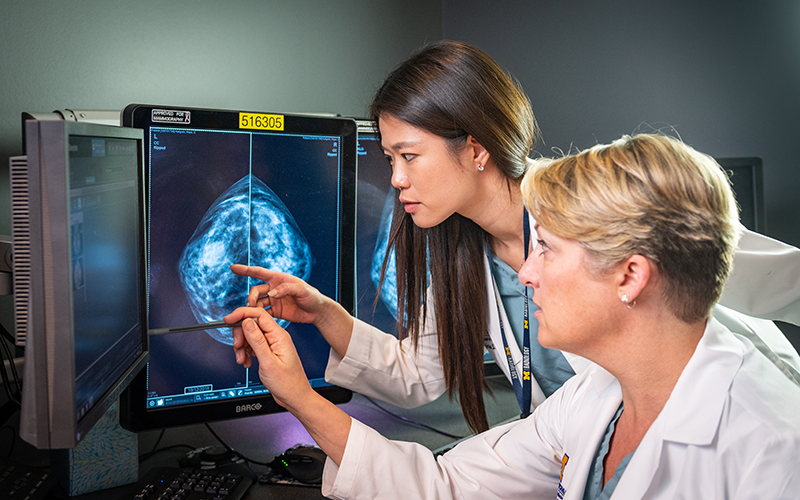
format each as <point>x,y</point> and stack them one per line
<point>705,382</point>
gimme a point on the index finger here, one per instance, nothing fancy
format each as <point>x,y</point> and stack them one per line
<point>257,272</point>
<point>261,316</point>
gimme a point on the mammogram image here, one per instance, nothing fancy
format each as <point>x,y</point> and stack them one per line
<point>248,223</point>
<point>389,290</point>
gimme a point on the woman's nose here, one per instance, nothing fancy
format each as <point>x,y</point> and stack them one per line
<point>399,177</point>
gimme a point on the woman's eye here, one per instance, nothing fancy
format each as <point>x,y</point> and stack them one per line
<point>388,159</point>
<point>542,244</point>
<point>408,156</point>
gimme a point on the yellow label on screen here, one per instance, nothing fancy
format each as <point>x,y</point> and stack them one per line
<point>260,121</point>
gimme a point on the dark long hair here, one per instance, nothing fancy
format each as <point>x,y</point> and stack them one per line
<point>454,90</point>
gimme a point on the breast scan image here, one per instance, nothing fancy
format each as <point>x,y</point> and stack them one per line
<point>388,293</point>
<point>247,223</point>
<point>218,198</point>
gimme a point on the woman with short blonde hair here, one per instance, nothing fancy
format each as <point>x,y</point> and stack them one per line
<point>634,241</point>
<point>648,195</point>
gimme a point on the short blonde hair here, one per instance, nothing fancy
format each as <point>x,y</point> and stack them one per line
<point>650,195</point>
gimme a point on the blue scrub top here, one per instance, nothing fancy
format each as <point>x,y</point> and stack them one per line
<point>595,490</point>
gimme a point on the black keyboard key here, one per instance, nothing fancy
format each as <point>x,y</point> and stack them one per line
<point>23,482</point>
<point>168,483</point>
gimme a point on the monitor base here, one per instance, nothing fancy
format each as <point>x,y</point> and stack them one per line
<point>107,457</point>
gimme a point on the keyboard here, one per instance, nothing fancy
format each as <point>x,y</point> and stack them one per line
<point>172,483</point>
<point>23,482</point>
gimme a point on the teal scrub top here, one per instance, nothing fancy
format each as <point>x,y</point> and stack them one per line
<point>594,484</point>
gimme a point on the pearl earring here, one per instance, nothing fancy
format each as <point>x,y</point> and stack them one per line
<point>627,300</point>
<point>480,167</point>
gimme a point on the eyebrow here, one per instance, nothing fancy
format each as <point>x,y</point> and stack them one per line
<point>400,145</point>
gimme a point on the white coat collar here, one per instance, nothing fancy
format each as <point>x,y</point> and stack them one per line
<point>704,383</point>
<point>708,376</point>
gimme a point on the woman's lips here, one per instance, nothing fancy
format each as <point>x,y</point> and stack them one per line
<point>410,207</point>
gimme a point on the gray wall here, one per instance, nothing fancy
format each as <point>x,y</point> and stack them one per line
<point>725,74</point>
<point>309,56</point>
<point>260,55</point>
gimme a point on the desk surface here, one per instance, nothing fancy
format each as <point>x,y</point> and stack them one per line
<point>262,438</point>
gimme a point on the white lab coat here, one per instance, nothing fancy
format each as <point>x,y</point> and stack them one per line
<point>730,430</point>
<point>765,282</point>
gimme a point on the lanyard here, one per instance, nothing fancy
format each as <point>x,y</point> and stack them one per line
<point>522,390</point>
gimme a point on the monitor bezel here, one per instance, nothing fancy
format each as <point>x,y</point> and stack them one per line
<point>134,415</point>
<point>49,389</point>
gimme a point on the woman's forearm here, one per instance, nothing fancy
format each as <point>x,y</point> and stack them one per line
<point>328,425</point>
<point>336,326</point>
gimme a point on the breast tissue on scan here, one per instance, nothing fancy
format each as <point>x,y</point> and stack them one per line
<point>389,290</point>
<point>388,293</point>
<point>247,224</point>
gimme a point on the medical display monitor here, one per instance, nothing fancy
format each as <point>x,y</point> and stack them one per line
<point>373,222</point>
<point>229,187</point>
<point>79,282</point>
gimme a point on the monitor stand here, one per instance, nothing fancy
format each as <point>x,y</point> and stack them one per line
<point>108,456</point>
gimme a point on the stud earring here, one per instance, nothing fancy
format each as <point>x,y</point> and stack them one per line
<point>480,167</point>
<point>624,298</point>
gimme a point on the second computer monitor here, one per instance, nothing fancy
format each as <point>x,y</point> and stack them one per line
<point>374,218</point>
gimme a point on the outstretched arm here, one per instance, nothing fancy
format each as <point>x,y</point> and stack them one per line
<point>364,359</point>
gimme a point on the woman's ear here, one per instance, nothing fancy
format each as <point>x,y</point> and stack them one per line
<point>477,153</point>
<point>632,276</point>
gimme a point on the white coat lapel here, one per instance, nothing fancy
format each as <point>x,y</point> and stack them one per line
<point>494,343</point>
<point>690,417</point>
<point>593,417</point>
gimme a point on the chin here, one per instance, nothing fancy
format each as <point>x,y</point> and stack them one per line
<point>425,223</point>
<point>546,339</point>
